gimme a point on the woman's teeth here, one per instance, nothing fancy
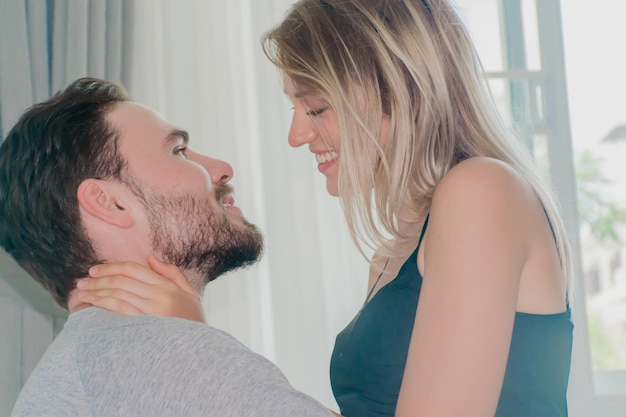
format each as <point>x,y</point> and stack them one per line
<point>321,158</point>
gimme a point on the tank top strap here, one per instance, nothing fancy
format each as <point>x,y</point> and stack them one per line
<point>556,243</point>
<point>419,243</point>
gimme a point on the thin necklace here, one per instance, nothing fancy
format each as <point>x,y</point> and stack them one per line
<point>367,299</point>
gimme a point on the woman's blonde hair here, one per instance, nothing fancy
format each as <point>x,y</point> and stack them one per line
<point>413,62</point>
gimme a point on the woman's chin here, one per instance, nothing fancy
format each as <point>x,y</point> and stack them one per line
<point>332,188</point>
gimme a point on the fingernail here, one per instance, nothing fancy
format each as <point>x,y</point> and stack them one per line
<point>82,294</point>
<point>93,270</point>
<point>82,283</point>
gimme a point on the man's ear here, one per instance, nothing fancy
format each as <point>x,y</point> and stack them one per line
<point>106,201</point>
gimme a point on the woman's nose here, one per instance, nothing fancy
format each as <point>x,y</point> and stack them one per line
<point>302,130</point>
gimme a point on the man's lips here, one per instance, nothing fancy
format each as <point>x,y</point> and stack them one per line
<point>228,200</point>
<point>224,195</point>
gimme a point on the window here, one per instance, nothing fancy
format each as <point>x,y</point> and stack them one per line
<point>592,280</point>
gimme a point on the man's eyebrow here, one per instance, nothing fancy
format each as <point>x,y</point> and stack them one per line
<point>177,134</point>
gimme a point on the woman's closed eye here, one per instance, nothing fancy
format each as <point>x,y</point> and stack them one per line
<point>317,112</point>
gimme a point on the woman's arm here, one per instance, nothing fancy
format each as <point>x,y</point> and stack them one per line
<point>475,248</point>
<point>130,288</point>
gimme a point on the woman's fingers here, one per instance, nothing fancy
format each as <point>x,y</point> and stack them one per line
<point>155,276</point>
<point>113,300</point>
<point>131,288</point>
<point>128,269</point>
<point>126,285</point>
<point>173,273</point>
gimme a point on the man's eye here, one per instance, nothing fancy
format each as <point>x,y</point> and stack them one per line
<point>317,112</point>
<point>180,151</point>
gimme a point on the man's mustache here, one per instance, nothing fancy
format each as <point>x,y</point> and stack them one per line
<point>223,190</point>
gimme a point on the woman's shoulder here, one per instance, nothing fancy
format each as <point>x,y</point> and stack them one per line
<point>482,189</point>
<point>484,177</point>
<point>485,169</point>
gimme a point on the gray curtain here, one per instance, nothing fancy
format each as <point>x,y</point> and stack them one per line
<point>45,45</point>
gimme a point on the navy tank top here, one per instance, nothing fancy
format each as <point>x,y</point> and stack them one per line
<point>369,357</point>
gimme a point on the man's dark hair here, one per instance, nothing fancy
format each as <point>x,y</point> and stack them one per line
<point>54,147</point>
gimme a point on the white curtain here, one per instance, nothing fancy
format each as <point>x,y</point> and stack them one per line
<point>44,45</point>
<point>199,62</point>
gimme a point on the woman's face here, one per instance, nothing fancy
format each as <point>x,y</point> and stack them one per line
<point>315,123</point>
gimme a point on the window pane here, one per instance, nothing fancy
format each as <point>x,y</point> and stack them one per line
<point>531,36</point>
<point>597,102</point>
<point>483,21</point>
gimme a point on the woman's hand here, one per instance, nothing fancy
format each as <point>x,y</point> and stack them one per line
<point>133,289</point>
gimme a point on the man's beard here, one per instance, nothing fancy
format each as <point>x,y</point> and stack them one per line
<point>198,237</point>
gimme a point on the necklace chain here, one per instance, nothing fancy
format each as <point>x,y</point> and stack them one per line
<point>369,294</point>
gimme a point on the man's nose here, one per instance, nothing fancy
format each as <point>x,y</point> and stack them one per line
<point>220,171</point>
<point>302,130</point>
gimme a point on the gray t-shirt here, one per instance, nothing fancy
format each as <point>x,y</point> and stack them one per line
<point>105,364</point>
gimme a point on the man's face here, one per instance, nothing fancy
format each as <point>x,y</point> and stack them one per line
<point>185,196</point>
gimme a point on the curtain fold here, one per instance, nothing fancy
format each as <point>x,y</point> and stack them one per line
<point>88,39</point>
<point>39,63</point>
<point>16,92</point>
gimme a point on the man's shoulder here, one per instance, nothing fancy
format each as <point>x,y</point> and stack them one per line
<point>147,365</point>
<point>106,331</point>
<point>54,387</point>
